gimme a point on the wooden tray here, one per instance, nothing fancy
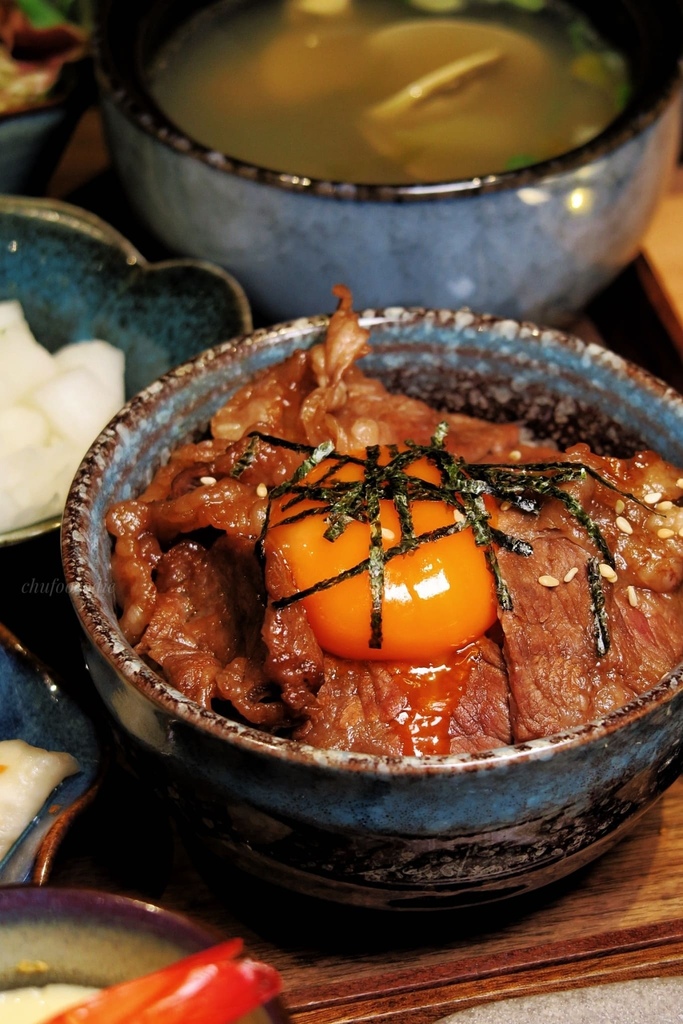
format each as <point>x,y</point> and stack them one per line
<point>619,918</point>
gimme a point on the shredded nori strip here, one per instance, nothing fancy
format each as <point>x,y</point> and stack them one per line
<point>463,485</point>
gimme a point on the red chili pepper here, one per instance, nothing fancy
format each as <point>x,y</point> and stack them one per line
<point>209,987</point>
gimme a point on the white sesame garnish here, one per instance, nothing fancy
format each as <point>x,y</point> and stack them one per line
<point>679,482</point>
<point>515,455</point>
<point>680,532</point>
<point>262,491</point>
<point>458,516</point>
<point>652,497</point>
<point>505,506</point>
<point>619,506</point>
<point>569,576</point>
<point>388,534</point>
<point>548,581</point>
<point>665,533</point>
<point>624,525</point>
<point>664,506</point>
<point>632,596</point>
<point>607,572</point>
<point>207,480</point>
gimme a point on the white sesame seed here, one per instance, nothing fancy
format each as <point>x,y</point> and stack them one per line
<point>619,506</point>
<point>664,506</point>
<point>207,480</point>
<point>569,576</point>
<point>515,455</point>
<point>505,506</point>
<point>458,516</point>
<point>608,572</point>
<point>548,581</point>
<point>388,534</point>
<point>680,532</point>
<point>624,525</point>
<point>632,596</point>
<point>679,482</point>
<point>665,533</point>
<point>262,491</point>
<point>652,498</point>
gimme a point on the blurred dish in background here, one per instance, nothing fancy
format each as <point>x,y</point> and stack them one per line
<point>34,708</point>
<point>45,84</point>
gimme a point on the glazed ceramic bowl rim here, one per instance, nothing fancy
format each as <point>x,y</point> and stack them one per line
<point>96,904</point>
<point>126,89</point>
<point>90,607</point>
<point>84,222</point>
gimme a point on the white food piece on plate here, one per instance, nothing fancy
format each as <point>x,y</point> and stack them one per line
<point>27,777</point>
<point>21,427</point>
<point>76,405</point>
<point>103,360</point>
<point>23,364</point>
<point>35,1004</point>
<point>11,314</point>
<point>52,407</point>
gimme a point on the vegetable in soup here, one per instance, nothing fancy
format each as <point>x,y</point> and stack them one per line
<point>390,91</point>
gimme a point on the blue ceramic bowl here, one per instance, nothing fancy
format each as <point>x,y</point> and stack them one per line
<point>77,278</point>
<point>86,937</point>
<point>536,243</point>
<point>35,708</point>
<point>32,141</point>
<point>400,833</point>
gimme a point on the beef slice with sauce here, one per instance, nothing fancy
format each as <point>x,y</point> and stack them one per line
<point>557,677</point>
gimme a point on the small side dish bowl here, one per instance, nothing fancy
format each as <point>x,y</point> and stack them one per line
<point>36,709</point>
<point>46,86</point>
<point>534,243</point>
<point>96,939</point>
<point>385,832</point>
<point>77,279</point>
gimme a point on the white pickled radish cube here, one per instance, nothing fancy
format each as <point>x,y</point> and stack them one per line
<point>11,314</point>
<point>27,777</point>
<point>32,478</point>
<point>24,364</point>
<point>77,405</point>
<point>105,361</point>
<point>11,516</point>
<point>20,427</point>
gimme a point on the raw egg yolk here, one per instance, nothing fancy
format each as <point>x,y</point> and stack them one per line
<point>437,598</point>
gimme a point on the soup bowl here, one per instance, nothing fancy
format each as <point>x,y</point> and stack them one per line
<point>533,243</point>
<point>399,833</point>
<point>95,939</point>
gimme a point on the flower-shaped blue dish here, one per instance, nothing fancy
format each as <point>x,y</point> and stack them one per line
<point>77,279</point>
<point>34,707</point>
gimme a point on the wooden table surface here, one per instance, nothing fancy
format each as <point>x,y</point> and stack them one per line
<point>619,917</point>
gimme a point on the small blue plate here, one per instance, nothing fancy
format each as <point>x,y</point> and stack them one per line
<point>34,708</point>
<point>77,279</point>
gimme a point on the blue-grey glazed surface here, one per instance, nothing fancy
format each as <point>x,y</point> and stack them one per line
<point>32,141</point>
<point>35,708</point>
<point>401,833</point>
<point>535,244</point>
<point>77,278</point>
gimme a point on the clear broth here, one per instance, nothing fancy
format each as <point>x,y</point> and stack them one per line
<point>379,91</point>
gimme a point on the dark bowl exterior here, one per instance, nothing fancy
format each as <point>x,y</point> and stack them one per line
<point>536,243</point>
<point>407,833</point>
